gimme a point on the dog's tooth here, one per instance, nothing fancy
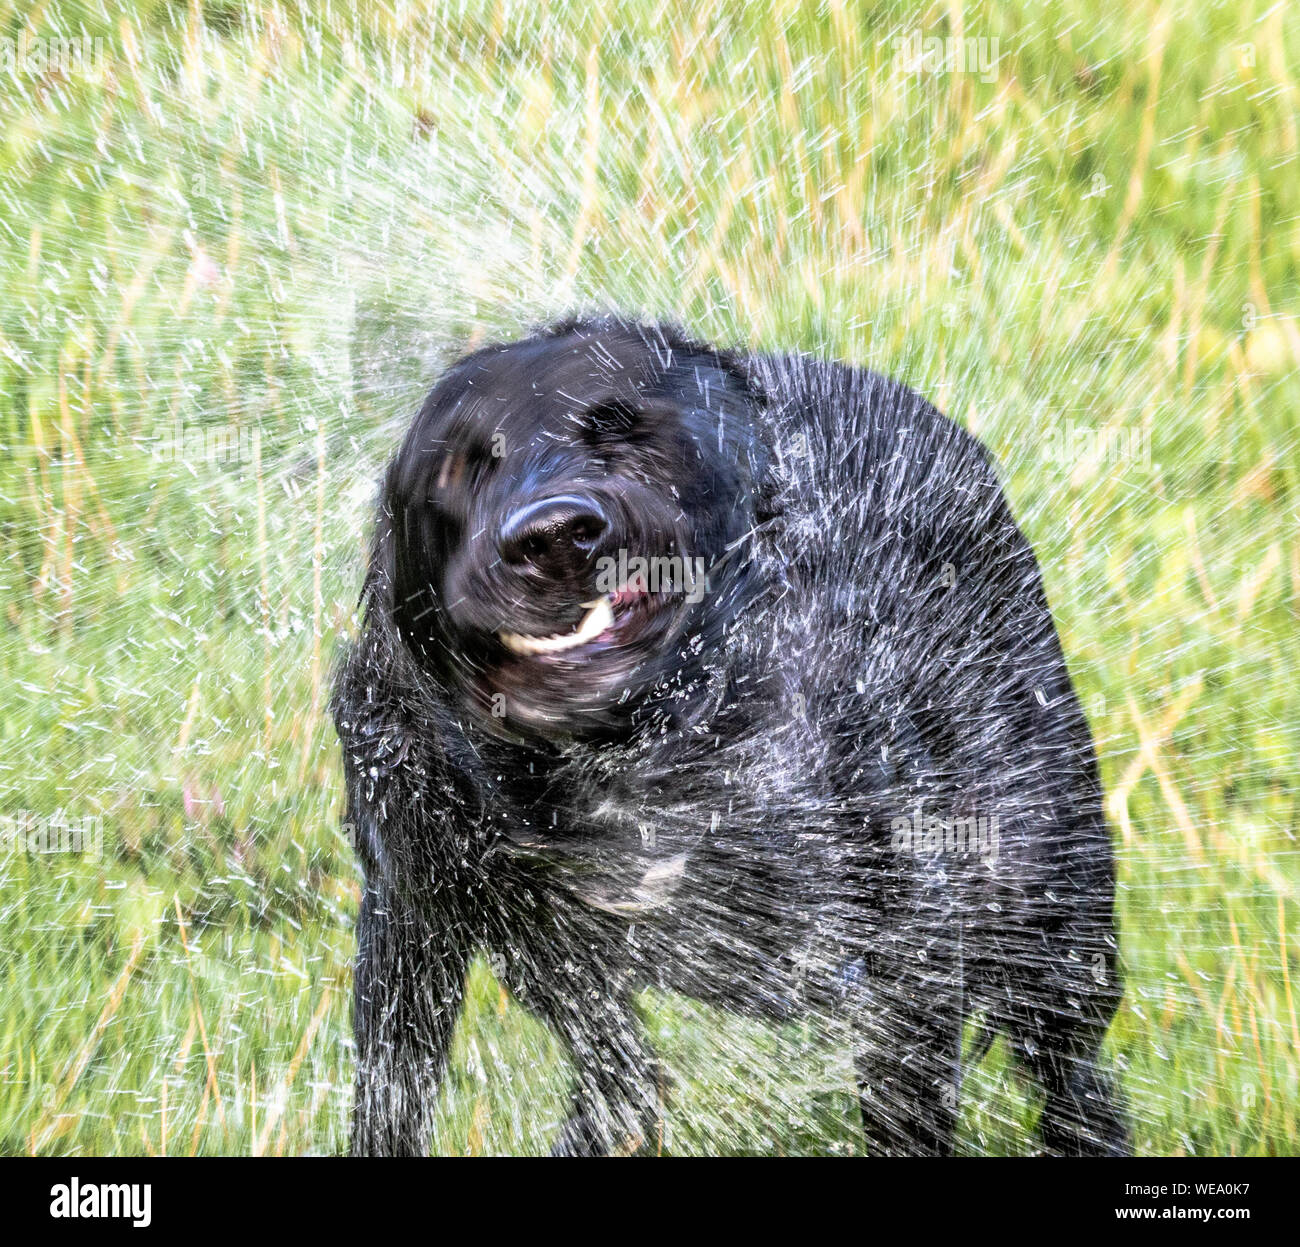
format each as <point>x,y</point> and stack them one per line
<point>599,617</point>
<point>515,643</point>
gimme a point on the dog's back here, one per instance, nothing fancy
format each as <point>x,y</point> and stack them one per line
<point>904,762</point>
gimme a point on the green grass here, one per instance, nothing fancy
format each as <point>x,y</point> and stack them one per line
<point>237,222</point>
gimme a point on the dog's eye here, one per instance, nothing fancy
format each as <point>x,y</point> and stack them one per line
<point>467,466</point>
<point>615,421</point>
<point>482,458</point>
<point>450,471</point>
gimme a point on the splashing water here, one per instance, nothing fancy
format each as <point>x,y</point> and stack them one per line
<point>239,242</point>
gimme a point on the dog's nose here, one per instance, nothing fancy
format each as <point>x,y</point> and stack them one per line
<point>555,534</point>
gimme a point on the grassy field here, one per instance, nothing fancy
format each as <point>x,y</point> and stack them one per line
<point>235,245</point>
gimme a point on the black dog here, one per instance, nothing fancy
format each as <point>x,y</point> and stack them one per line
<point>733,676</point>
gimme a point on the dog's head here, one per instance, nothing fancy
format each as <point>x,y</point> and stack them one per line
<point>567,517</point>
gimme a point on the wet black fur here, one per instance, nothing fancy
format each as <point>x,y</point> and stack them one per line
<point>875,645</point>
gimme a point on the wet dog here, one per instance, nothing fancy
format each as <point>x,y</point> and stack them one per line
<point>730,675</point>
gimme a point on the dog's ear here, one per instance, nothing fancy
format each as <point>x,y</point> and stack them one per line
<point>750,400</point>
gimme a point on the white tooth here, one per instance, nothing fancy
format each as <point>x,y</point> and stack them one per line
<point>598,618</point>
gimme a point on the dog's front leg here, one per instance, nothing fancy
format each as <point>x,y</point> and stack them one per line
<point>616,1100</point>
<point>410,978</point>
<point>586,1000</point>
<point>908,1051</point>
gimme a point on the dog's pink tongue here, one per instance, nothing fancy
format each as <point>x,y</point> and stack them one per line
<point>634,589</point>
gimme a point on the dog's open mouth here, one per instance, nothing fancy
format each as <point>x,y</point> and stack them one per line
<point>614,618</point>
